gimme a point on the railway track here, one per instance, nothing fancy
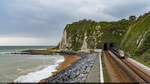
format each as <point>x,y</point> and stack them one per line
<point>140,72</point>
<point>124,70</point>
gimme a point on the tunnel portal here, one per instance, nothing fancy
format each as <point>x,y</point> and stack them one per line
<point>111,45</point>
<point>105,46</point>
<point>108,45</point>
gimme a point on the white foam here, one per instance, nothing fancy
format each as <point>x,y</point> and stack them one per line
<point>39,75</point>
<point>59,61</point>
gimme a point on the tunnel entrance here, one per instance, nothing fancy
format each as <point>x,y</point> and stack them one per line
<point>108,45</point>
<point>111,45</point>
<point>105,46</point>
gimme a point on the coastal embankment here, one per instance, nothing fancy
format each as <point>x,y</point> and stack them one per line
<point>77,71</point>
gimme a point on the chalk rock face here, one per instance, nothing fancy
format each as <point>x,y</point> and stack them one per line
<point>63,43</point>
<point>84,45</point>
<point>88,35</point>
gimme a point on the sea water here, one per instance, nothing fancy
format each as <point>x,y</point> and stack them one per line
<point>24,67</point>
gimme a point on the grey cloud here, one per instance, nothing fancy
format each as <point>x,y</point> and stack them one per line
<point>47,18</point>
<point>128,7</point>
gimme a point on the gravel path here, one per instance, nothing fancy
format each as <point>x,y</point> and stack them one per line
<point>78,71</point>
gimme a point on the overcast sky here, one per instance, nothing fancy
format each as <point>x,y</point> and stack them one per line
<point>41,22</point>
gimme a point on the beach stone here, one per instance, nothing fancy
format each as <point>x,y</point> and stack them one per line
<point>88,69</point>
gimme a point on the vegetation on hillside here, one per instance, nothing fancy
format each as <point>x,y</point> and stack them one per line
<point>133,36</point>
<point>96,33</point>
<point>137,43</point>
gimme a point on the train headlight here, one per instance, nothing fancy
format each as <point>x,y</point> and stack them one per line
<point>122,55</point>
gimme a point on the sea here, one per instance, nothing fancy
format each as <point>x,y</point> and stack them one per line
<point>24,67</point>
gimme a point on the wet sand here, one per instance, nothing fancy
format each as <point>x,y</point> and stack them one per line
<point>67,62</point>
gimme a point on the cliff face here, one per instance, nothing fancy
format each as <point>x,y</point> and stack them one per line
<point>133,36</point>
<point>129,35</point>
<point>87,34</point>
<point>137,41</point>
<point>65,42</point>
<point>137,35</point>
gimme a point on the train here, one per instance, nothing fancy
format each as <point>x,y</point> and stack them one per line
<point>120,53</point>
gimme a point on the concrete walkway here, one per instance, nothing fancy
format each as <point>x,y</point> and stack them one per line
<point>94,74</point>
